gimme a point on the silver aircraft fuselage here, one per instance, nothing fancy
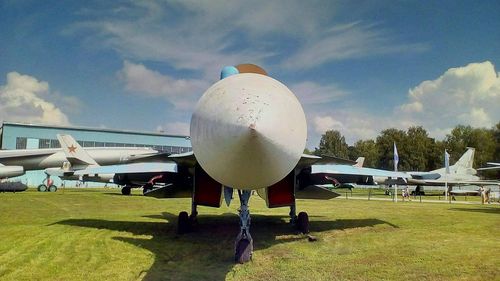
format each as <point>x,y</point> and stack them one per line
<point>38,159</point>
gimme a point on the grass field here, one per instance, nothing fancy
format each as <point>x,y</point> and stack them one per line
<point>98,234</point>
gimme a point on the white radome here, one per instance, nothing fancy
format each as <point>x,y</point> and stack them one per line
<point>248,131</point>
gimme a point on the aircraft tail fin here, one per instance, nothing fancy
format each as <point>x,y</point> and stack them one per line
<point>467,159</point>
<point>359,162</point>
<point>75,154</point>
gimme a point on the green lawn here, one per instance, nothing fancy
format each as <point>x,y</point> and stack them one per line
<point>98,234</point>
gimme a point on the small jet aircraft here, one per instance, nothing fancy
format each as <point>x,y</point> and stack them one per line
<point>248,132</point>
<point>70,157</point>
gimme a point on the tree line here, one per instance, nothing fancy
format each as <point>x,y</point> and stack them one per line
<point>416,150</point>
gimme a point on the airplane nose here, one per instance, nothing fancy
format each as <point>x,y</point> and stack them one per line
<point>248,131</point>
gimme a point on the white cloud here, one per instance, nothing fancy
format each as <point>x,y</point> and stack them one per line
<point>478,117</point>
<point>467,95</point>
<point>325,123</point>
<point>415,106</point>
<point>185,35</point>
<point>203,36</point>
<point>310,93</point>
<point>182,93</point>
<point>352,125</point>
<point>21,100</point>
<point>348,41</point>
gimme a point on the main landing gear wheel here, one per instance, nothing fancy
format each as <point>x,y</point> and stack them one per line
<point>147,187</point>
<point>126,190</point>
<point>183,223</point>
<point>52,188</point>
<point>42,188</point>
<point>303,222</point>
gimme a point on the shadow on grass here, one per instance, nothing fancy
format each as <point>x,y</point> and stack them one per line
<point>478,210</point>
<point>207,252</point>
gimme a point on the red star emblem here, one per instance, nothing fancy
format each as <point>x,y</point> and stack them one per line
<point>72,148</point>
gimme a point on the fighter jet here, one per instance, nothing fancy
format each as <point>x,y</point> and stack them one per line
<point>70,157</point>
<point>248,132</point>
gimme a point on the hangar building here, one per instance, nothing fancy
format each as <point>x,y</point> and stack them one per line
<point>29,136</point>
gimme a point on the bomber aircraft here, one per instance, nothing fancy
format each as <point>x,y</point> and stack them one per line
<point>70,157</point>
<point>248,132</point>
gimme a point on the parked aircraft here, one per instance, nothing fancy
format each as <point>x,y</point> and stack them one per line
<point>10,171</point>
<point>321,175</point>
<point>248,132</point>
<point>459,174</point>
<point>461,171</point>
<point>493,166</point>
<point>64,161</point>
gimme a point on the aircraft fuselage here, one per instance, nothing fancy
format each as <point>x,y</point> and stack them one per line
<point>56,157</point>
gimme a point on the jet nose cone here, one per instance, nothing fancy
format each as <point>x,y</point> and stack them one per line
<point>248,131</point>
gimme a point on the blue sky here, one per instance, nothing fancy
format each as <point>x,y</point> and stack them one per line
<point>357,66</point>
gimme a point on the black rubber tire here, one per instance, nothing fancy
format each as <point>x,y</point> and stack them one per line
<point>126,190</point>
<point>147,187</point>
<point>42,188</point>
<point>243,251</point>
<point>183,224</point>
<point>52,188</point>
<point>303,222</point>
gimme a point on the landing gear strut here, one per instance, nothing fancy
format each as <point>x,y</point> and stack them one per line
<point>293,214</point>
<point>243,246</point>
